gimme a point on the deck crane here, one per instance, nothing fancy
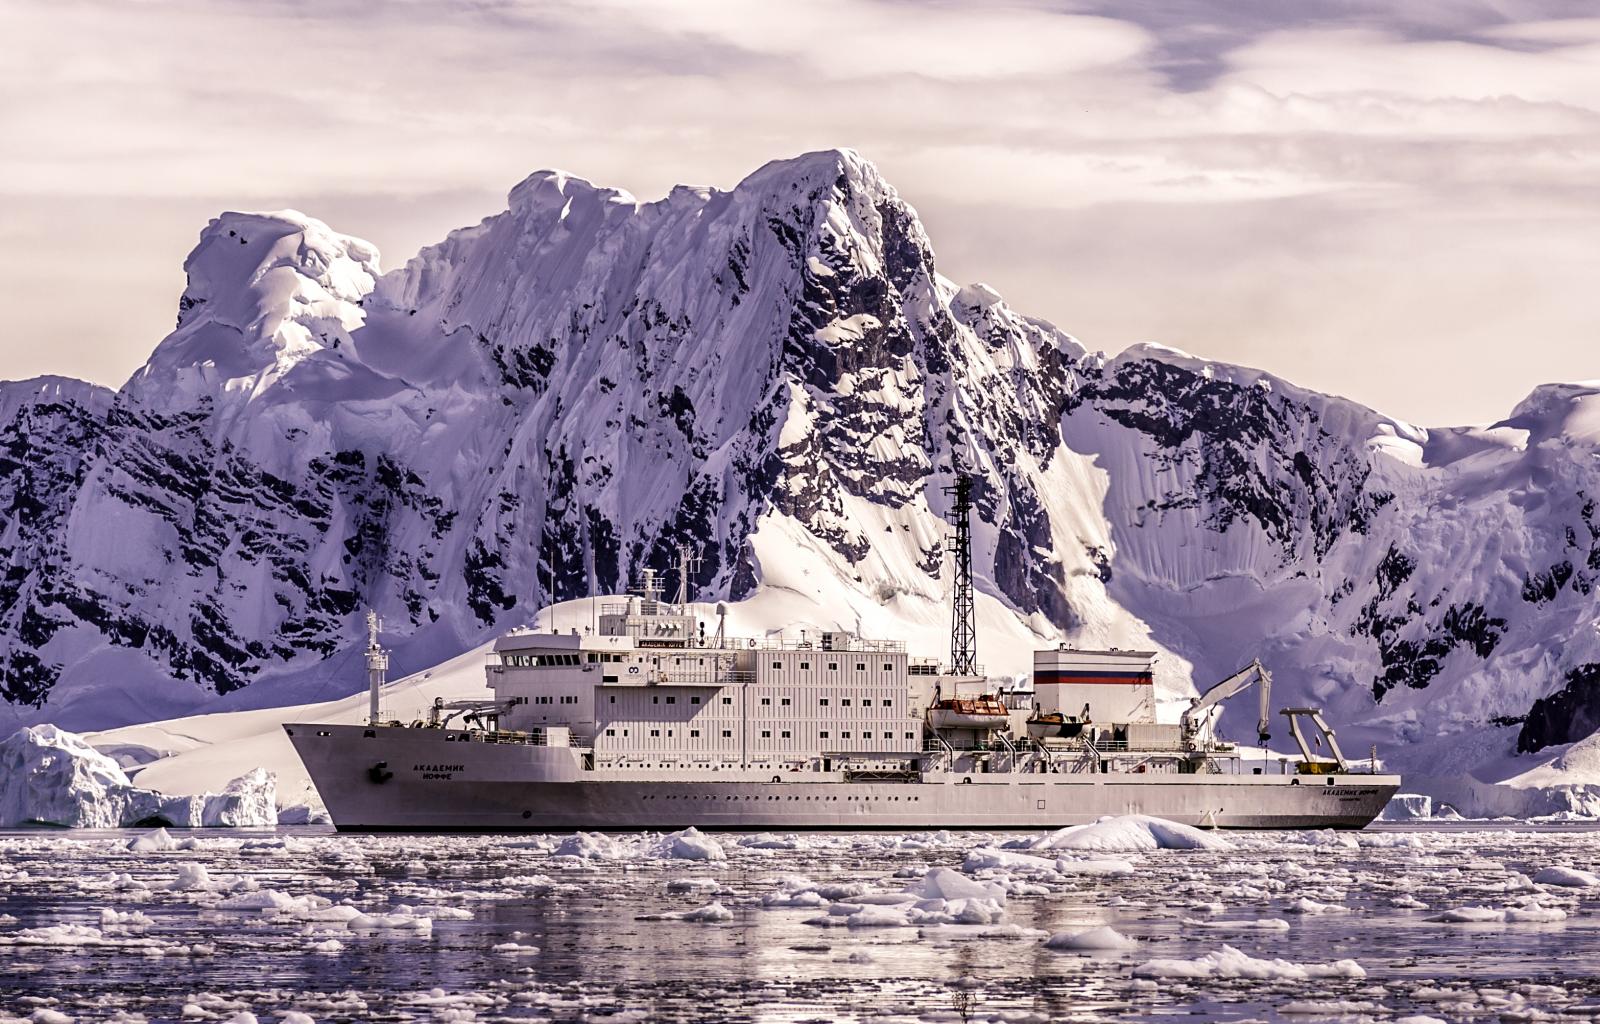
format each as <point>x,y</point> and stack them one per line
<point>1202,712</point>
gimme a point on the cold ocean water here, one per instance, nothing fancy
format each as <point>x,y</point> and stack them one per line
<point>1469,923</point>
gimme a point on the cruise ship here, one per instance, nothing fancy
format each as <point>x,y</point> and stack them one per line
<point>643,721</point>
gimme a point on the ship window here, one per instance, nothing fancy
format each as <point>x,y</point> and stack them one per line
<point>766,734</point>
<point>823,734</point>
<point>672,700</point>
<point>845,702</point>
<point>784,701</point>
<point>823,702</point>
<point>805,665</point>
<point>784,734</point>
<point>669,732</point>
<point>727,733</point>
<point>613,698</point>
<point>592,657</point>
<point>777,664</point>
<point>861,666</point>
<point>694,733</point>
<point>888,667</point>
<point>727,700</point>
<point>909,736</point>
<point>845,735</point>
<point>833,666</point>
<point>624,732</point>
<point>611,732</point>
<point>766,701</point>
<point>694,700</point>
<point>866,735</point>
<point>655,700</point>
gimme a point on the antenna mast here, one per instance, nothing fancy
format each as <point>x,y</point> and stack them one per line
<point>688,561</point>
<point>963,620</point>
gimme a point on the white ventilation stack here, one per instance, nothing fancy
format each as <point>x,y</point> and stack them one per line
<point>377,668</point>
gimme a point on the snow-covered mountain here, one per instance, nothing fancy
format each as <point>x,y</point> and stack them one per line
<point>778,376</point>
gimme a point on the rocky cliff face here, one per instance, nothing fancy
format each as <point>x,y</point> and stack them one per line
<point>545,403</point>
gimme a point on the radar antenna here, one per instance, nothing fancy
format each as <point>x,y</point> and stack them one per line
<point>963,622</point>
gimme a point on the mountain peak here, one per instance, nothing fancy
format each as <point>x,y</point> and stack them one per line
<point>264,291</point>
<point>555,189</point>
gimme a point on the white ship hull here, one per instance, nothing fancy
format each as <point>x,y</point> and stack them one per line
<point>437,780</point>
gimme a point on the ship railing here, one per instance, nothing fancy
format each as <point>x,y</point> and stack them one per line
<point>855,645</point>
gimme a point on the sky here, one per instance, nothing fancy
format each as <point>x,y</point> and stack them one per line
<point>1393,200</point>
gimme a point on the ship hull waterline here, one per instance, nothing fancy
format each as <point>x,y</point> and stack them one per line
<point>431,781</point>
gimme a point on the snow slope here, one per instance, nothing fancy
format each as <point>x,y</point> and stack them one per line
<point>546,402</point>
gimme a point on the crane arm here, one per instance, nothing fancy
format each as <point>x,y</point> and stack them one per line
<point>1251,675</point>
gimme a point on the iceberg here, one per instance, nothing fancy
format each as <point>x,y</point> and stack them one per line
<point>49,776</point>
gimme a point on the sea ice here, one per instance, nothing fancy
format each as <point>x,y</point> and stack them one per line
<point>1131,833</point>
<point>1231,963</point>
<point>1093,938</point>
<point>1566,877</point>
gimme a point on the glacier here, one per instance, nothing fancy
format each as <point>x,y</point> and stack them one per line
<point>544,403</point>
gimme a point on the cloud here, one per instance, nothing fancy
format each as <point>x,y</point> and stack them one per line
<point>1250,171</point>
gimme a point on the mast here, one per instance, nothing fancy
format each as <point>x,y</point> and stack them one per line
<point>688,561</point>
<point>963,621</point>
<point>377,667</point>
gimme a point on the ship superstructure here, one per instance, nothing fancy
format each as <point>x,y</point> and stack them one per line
<point>639,719</point>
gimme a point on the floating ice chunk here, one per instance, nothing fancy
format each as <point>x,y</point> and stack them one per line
<point>1104,937</point>
<point>1231,963</point>
<point>1420,1018</point>
<point>711,913</point>
<point>1328,1007</point>
<point>1265,924</point>
<point>45,1015</point>
<point>249,801</point>
<point>1529,913</point>
<point>1093,867</point>
<point>1407,807</point>
<point>1566,877</point>
<point>692,844</point>
<point>514,949</point>
<point>592,846</point>
<point>327,947</point>
<point>304,814</point>
<point>295,1017</point>
<point>949,884</point>
<point>1131,833</point>
<point>1311,907</point>
<point>987,857</point>
<point>694,885</point>
<point>160,841</point>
